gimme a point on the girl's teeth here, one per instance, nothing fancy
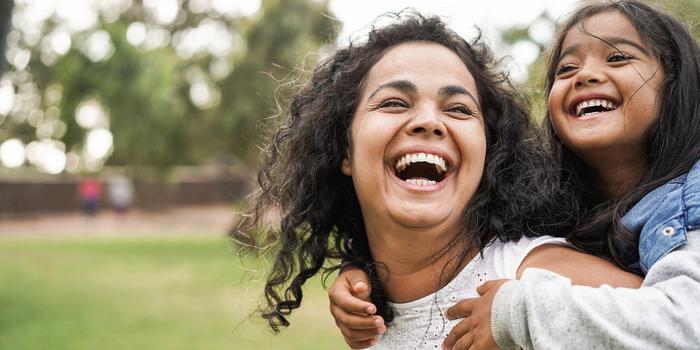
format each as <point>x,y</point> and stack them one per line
<point>609,105</point>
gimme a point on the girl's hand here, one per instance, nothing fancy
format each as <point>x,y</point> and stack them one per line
<point>353,313</point>
<point>474,331</point>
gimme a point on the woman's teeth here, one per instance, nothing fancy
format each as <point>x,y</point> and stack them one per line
<point>421,182</point>
<point>439,162</point>
<point>421,169</point>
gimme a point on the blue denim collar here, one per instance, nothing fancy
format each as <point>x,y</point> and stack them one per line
<point>664,216</point>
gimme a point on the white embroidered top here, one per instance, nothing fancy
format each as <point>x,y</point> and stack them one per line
<point>421,324</point>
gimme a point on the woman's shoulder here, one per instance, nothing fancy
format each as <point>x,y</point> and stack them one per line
<point>504,258</point>
<point>524,244</point>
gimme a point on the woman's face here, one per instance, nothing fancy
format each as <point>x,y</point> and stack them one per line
<point>417,139</point>
<point>606,92</point>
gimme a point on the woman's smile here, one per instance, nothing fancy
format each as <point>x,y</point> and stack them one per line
<point>417,140</point>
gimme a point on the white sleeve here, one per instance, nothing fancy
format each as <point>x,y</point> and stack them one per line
<point>509,256</point>
<point>544,311</point>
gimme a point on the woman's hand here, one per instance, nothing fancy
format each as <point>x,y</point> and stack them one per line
<point>474,331</point>
<point>353,313</point>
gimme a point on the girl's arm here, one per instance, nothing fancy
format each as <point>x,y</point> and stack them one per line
<point>353,313</point>
<point>475,331</point>
<point>544,310</point>
<point>581,268</point>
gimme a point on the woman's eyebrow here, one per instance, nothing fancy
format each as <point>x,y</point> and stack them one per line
<point>401,85</point>
<point>451,90</point>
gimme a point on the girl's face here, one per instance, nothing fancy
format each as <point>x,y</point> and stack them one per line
<point>417,139</point>
<point>606,92</point>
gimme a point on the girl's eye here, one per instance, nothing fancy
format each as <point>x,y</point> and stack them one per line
<point>565,68</point>
<point>619,57</point>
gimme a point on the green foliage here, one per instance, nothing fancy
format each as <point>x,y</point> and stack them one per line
<point>146,91</point>
<point>279,44</point>
<point>5,12</point>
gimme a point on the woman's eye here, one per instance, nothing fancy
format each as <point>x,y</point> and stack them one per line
<point>565,68</point>
<point>393,104</point>
<point>461,109</point>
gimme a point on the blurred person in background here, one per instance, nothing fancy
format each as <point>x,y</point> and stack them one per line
<point>121,193</point>
<point>90,192</point>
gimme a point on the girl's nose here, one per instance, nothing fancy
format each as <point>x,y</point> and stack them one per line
<point>588,77</point>
<point>427,122</point>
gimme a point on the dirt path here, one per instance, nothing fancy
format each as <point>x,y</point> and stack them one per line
<point>215,219</point>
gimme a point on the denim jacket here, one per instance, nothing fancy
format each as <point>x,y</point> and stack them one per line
<point>664,216</point>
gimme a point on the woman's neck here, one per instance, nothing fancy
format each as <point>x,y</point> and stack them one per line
<point>413,263</point>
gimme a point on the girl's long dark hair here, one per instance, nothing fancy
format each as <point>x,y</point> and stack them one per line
<point>672,145</point>
<point>312,208</point>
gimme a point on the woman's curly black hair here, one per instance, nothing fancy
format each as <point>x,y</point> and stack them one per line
<point>316,217</point>
<point>671,146</point>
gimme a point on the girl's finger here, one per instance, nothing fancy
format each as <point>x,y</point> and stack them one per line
<point>461,309</point>
<point>357,278</point>
<point>355,321</point>
<point>340,295</point>
<point>361,344</point>
<point>459,331</point>
<point>359,335</point>
<point>464,342</point>
<point>482,289</point>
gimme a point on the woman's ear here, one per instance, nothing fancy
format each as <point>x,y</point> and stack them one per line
<point>345,167</point>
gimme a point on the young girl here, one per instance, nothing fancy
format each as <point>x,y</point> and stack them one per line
<point>624,119</point>
<point>407,156</point>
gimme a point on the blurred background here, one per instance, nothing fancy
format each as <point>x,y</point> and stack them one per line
<point>130,133</point>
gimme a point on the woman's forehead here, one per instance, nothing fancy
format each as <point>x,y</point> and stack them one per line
<point>418,61</point>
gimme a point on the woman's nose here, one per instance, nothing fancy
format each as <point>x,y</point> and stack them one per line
<point>427,122</point>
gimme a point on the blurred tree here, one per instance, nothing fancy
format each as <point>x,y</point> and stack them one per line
<point>5,17</point>
<point>169,82</point>
<point>279,47</point>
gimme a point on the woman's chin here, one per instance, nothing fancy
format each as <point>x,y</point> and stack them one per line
<point>422,216</point>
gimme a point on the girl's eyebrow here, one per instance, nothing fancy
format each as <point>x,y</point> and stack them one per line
<point>610,40</point>
<point>616,40</point>
<point>410,88</point>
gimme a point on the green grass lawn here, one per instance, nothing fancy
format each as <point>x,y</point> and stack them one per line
<point>155,292</point>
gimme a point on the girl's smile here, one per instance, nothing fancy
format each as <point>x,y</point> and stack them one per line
<point>606,93</point>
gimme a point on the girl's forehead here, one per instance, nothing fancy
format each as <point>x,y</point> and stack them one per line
<point>601,28</point>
